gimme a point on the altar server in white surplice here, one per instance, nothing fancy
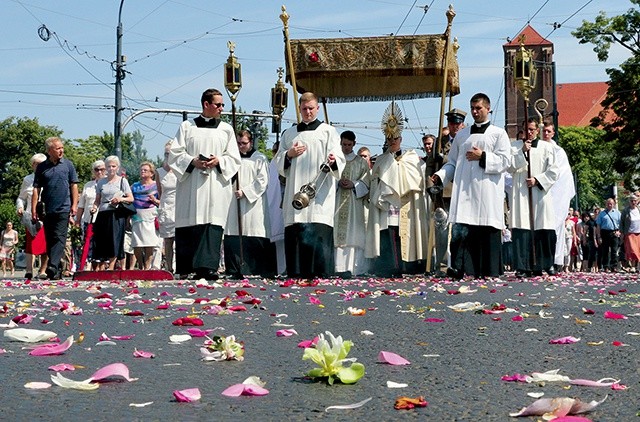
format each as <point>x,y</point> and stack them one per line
<point>204,156</point>
<point>304,150</point>
<point>251,204</point>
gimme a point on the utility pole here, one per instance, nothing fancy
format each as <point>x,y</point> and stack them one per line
<point>119,69</point>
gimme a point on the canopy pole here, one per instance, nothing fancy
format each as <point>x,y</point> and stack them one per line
<point>284,17</point>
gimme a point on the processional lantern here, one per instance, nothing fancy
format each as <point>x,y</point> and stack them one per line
<point>232,72</point>
<point>524,71</point>
<point>279,101</point>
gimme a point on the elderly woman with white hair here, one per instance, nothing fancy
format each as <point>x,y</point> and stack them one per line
<point>84,218</point>
<point>36,244</point>
<point>111,192</point>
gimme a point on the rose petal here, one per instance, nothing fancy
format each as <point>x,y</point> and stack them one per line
<point>391,384</point>
<point>434,320</point>
<point>392,358</point>
<point>196,332</point>
<point>187,396</point>
<point>112,370</point>
<point>613,315</point>
<point>52,349</point>
<point>142,354</point>
<point>287,332</point>
<point>348,406</point>
<point>237,390</point>
<point>37,385</point>
<point>62,367</point>
<point>64,382</point>
<point>565,340</point>
<point>29,335</point>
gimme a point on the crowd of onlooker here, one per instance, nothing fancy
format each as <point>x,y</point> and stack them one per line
<point>598,240</point>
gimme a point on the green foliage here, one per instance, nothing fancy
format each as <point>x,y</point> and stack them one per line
<point>620,118</point>
<point>20,139</point>
<point>591,160</point>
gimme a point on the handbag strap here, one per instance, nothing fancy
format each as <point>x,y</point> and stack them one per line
<point>614,223</point>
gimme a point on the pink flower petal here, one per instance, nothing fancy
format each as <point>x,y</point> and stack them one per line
<point>514,378</point>
<point>142,354</point>
<point>52,349</point>
<point>62,367</point>
<point>287,332</point>
<point>434,320</point>
<point>245,390</point>
<point>196,332</point>
<point>314,300</point>
<point>104,337</point>
<point>392,358</point>
<point>564,340</point>
<point>237,308</point>
<point>308,343</point>
<point>187,396</point>
<point>127,337</point>
<point>517,318</point>
<point>112,370</point>
<point>613,315</point>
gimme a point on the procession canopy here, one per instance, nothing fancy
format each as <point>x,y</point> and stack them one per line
<point>374,68</point>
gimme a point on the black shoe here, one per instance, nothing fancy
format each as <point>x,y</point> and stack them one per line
<point>207,274</point>
<point>522,274</point>
<point>537,273</point>
<point>551,271</point>
<point>28,276</point>
<point>51,273</point>
<point>453,273</point>
<point>345,275</point>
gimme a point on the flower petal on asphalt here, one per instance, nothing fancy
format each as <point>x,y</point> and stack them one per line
<point>348,406</point>
<point>391,384</point>
<point>613,315</point>
<point>112,370</point>
<point>549,376</point>
<point>565,340</point>
<point>187,396</point>
<point>29,335</point>
<point>127,337</point>
<point>308,343</point>
<point>179,338</point>
<point>392,358</point>
<point>410,402</point>
<point>62,367</point>
<point>604,382</point>
<point>196,332</point>
<point>238,390</point>
<point>366,333</point>
<point>434,320</point>
<point>557,407</point>
<point>517,318</point>
<point>466,306</point>
<point>140,404</point>
<point>535,395</point>
<point>52,348</point>
<point>63,382</point>
<point>254,380</point>
<point>514,378</point>
<point>142,354</point>
<point>37,385</point>
<point>286,332</point>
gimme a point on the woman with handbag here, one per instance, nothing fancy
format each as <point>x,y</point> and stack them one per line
<point>113,204</point>
<point>144,235</point>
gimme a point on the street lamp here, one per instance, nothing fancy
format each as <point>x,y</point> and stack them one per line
<point>232,79</point>
<point>279,100</point>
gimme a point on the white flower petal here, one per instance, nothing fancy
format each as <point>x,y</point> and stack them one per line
<point>179,338</point>
<point>29,335</point>
<point>391,384</point>
<point>63,382</point>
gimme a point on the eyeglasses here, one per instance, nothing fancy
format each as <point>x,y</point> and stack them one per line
<point>219,105</point>
<point>99,169</point>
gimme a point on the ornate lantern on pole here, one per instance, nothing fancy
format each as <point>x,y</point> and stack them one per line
<point>524,71</point>
<point>524,76</point>
<point>232,79</point>
<point>279,102</point>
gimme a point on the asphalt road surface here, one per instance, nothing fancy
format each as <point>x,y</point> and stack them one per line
<point>457,357</point>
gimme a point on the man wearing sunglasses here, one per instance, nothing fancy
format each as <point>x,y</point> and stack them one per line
<point>204,156</point>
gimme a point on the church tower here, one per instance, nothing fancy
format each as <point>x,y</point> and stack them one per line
<point>545,78</point>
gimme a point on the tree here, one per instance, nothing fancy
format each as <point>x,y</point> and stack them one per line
<point>21,138</point>
<point>591,161</point>
<point>621,115</point>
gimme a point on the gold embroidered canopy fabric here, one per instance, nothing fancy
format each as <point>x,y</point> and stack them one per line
<point>374,68</point>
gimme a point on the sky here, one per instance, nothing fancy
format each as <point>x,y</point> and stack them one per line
<point>175,49</point>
